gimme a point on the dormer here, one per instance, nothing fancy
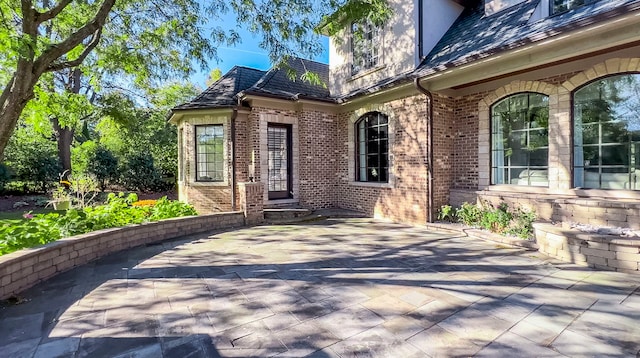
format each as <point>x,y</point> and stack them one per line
<point>544,9</point>
<point>361,59</point>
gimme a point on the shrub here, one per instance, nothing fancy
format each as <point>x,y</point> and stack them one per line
<point>446,213</point>
<point>522,225</point>
<point>104,165</point>
<point>5,176</point>
<point>469,214</point>
<point>91,158</point>
<point>495,219</point>
<point>139,173</point>
<point>500,219</point>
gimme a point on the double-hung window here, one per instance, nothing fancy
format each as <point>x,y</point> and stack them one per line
<point>210,153</point>
<point>365,47</point>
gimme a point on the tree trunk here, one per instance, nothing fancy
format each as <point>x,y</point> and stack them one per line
<point>64,139</point>
<point>13,99</point>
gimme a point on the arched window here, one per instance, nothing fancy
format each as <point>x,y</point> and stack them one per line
<point>520,140</point>
<point>372,150</point>
<point>606,133</point>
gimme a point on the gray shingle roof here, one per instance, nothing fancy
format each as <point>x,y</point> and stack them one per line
<point>278,84</point>
<point>222,93</point>
<point>474,36</point>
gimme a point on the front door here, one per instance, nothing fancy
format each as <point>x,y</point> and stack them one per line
<point>280,163</point>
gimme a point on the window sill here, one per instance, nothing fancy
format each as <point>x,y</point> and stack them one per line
<point>371,185</point>
<point>366,73</point>
<point>517,188</point>
<point>207,183</point>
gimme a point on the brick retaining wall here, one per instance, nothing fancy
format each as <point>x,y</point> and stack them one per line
<point>25,268</point>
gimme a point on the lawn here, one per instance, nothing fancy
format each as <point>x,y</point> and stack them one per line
<point>18,215</point>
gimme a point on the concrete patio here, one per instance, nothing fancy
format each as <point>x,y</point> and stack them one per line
<point>333,288</point>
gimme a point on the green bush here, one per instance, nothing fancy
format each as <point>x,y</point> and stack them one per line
<point>495,219</point>
<point>104,166</point>
<point>469,214</point>
<point>447,213</point>
<point>118,211</point>
<point>5,176</point>
<point>139,173</point>
<point>501,219</point>
<point>522,225</point>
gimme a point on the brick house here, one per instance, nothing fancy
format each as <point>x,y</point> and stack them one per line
<point>534,102</point>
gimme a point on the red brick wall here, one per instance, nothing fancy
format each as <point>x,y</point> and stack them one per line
<point>319,155</point>
<point>465,135</point>
<point>209,199</point>
<point>443,148</point>
<point>406,200</point>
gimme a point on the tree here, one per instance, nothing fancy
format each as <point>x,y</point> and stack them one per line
<point>214,75</point>
<point>40,37</point>
<point>32,158</point>
<point>129,130</point>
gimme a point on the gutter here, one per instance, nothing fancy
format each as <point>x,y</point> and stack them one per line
<point>429,154</point>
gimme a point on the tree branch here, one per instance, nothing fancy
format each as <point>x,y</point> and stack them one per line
<point>78,61</point>
<point>56,51</point>
<point>53,12</point>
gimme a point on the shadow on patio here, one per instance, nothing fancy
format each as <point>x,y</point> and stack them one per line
<point>336,287</point>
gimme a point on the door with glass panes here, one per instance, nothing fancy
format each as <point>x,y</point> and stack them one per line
<point>280,163</point>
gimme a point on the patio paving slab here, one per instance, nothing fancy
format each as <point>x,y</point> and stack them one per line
<point>334,288</point>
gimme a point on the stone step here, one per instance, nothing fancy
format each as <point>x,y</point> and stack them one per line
<point>285,214</point>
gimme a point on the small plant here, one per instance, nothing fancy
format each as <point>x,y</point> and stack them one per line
<point>469,214</point>
<point>446,213</point>
<point>501,219</point>
<point>495,219</point>
<point>84,189</point>
<point>522,225</point>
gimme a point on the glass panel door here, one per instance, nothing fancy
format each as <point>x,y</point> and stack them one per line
<point>279,147</point>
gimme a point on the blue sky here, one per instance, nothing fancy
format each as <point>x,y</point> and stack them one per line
<point>247,53</point>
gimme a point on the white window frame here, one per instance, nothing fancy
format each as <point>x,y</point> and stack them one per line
<point>366,52</point>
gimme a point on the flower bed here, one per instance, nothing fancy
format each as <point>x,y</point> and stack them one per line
<point>120,210</point>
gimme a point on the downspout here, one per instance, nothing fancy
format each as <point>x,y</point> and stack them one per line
<point>429,156</point>
<point>234,115</point>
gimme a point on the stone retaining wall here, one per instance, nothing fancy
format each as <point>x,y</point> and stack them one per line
<point>606,252</point>
<point>23,269</point>
<point>611,212</point>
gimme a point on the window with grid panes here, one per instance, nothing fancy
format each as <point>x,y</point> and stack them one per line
<point>210,153</point>
<point>372,150</point>
<point>365,47</point>
<point>520,140</point>
<point>558,6</point>
<point>606,133</point>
